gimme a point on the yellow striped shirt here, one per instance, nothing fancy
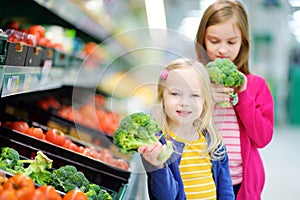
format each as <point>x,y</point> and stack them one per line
<point>195,169</point>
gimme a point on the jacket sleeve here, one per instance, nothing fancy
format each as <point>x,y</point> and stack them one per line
<point>163,183</point>
<point>255,111</point>
<point>222,179</point>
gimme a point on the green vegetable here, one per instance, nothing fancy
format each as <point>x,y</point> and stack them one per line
<point>136,130</point>
<point>38,168</point>
<point>96,193</point>
<point>223,71</point>
<point>9,160</point>
<point>67,178</point>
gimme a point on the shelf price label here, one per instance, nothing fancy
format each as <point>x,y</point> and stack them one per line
<point>13,83</point>
<point>27,81</point>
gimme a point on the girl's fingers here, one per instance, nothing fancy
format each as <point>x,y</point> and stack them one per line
<point>221,89</point>
<point>150,153</point>
<point>142,149</point>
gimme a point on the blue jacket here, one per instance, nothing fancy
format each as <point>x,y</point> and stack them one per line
<point>166,183</point>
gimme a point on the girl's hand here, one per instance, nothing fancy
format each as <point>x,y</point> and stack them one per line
<point>220,93</point>
<point>150,154</point>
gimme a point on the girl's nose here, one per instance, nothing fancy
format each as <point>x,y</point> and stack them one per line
<point>222,49</point>
<point>183,101</point>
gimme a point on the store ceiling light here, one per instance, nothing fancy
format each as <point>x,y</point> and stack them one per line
<point>156,16</point>
<point>294,3</point>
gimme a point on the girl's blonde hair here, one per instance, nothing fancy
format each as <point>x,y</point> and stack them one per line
<point>205,121</point>
<point>220,12</point>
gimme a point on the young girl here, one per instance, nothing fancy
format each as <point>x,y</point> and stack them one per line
<point>223,33</point>
<point>184,112</point>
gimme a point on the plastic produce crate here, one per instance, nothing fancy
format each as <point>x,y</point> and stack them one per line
<point>34,56</point>
<point>16,54</point>
<point>60,58</point>
<point>47,56</point>
<point>100,173</point>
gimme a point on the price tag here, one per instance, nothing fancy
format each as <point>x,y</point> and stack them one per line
<point>13,83</point>
<point>27,81</point>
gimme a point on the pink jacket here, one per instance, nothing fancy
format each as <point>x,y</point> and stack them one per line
<point>255,113</point>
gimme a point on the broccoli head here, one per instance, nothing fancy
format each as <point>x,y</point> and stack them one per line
<point>67,178</point>
<point>136,130</point>
<point>224,72</point>
<point>96,193</point>
<point>9,157</point>
<point>9,160</point>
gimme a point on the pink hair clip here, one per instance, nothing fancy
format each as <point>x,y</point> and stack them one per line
<point>164,74</point>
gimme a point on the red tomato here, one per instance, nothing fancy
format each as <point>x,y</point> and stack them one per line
<point>71,145</point>
<point>23,186</point>
<point>20,126</point>
<point>36,132</point>
<point>121,164</point>
<point>43,104</point>
<point>8,195</point>
<point>37,30</point>
<point>8,124</point>
<point>13,25</point>
<point>39,195</point>
<point>50,192</point>
<point>75,195</point>
<point>81,149</point>
<point>56,137</point>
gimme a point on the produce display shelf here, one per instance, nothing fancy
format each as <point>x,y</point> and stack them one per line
<point>20,79</point>
<point>77,130</point>
<point>113,194</point>
<point>96,171</point>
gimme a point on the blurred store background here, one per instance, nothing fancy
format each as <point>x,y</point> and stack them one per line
<point>125,44</point>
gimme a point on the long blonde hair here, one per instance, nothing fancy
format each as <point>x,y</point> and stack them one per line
<point>219,12</point>
<point>205,121</point>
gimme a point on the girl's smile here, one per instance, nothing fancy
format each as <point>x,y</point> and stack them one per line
<point>183,113</point>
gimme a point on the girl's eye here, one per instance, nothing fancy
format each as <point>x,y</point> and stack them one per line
<point>176,94</point>
<point>195,95</point>
<point>231,42</point>
<point>213,41</point>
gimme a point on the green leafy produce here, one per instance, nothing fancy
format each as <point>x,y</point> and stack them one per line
<point>139,129</point>
<point>67,178</point>
<point>223,71</point>
<point>38,169</point>
<point>96,193</point>
<point>9,160</point>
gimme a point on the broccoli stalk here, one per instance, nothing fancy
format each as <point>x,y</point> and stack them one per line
<point>223,71</point>
<point>136,130</point>
<point>38,168</point>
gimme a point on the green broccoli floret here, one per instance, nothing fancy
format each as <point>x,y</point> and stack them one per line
<point>38,168</point>
<point>67,178</point>
<point>136,130</point>
<point>9,157</point>
<point>96,193</point>
<point>9,160</point>
<point>223,71</point>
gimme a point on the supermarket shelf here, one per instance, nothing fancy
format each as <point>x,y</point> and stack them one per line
<point>71,12</point>
<point>18,80</point>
